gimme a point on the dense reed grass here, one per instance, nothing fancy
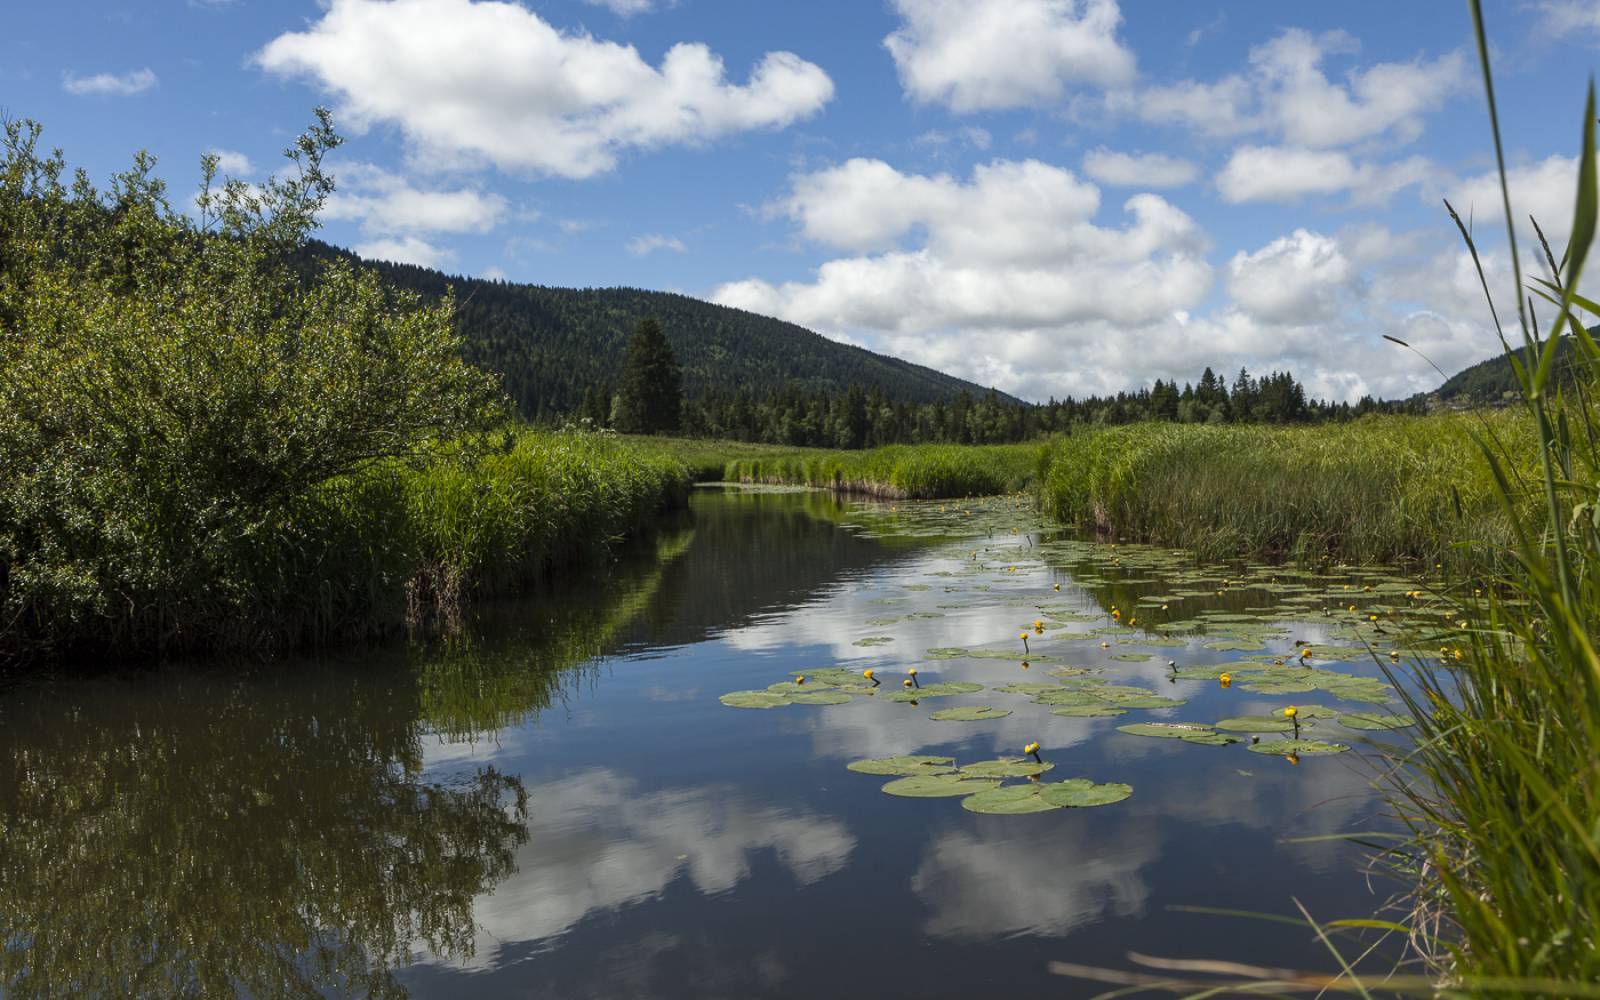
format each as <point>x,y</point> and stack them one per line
<point>923,471</point>
<point>1380,489</point>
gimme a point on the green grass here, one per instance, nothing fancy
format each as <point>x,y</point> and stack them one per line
<point>1380,489</point>
<point>708,458</point>
<point>923,471</point>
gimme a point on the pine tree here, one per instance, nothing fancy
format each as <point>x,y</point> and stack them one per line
<point>650,398</point>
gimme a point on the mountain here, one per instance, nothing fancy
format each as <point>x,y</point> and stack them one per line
<point>1493,381</point>
<point>553,343</point>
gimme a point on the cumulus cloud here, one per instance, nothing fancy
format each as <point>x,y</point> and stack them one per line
<point>1564,17</point>
<point>974,55</point>
<point>110,84</point>
<point>649,243</point>
<point>233,164</point>
<point>406,250</point>
<point>625,8</point>
<point>1293,279</point>
<point>1287,174</point>
<point>1285,92</point>
<point>1149,170</point>
<point>383,202</point>
<point>1547,190</point>
<point>475,81</point>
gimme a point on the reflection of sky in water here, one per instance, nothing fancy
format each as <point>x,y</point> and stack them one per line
<point>673,837</point>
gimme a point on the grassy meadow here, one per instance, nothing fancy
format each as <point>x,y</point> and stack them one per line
<point>921,472</point>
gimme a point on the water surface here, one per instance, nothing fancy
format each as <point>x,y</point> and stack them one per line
<point>562,806</point>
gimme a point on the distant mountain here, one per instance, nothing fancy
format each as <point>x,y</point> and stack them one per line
<point>553,343</point>
<point>1493,381</point>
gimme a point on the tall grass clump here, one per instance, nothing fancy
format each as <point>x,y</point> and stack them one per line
<point>1382,488</point>
<point>920,471</point>
<point>1502,794</point>
<point>203,448</point>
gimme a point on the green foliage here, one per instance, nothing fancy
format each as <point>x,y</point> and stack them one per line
<point>650,397</point>
<point>201,447</point>
<point>1373,490</point>
<point>903,471</point>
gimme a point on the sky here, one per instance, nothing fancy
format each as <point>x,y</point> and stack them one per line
<point>1053,197</point>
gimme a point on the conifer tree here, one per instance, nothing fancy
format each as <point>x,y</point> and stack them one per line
<point>650,398</point>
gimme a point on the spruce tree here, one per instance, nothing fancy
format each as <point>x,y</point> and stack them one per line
<point>650,398</point>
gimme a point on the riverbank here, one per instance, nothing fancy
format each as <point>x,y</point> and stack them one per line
<point>916,472</point>
<point>395,544</point>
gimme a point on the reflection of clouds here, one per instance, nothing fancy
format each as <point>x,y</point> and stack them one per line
<point>596,842</point>
<point>986,888</point>
<point>870,729</point>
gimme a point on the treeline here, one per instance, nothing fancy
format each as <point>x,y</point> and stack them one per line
<point>857,418</point>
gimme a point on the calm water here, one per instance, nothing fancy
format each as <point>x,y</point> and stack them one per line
<point>565,809</point>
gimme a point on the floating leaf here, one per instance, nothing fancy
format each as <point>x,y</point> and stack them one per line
<point>1189,732</point>
<point>1229,645</point>
<point>1375,721</point>
<point>1148,701</point>
<point>1013,800</point>
<point>969,713</point>
<point>754,699</point>
<point>1070,671</point>
<point>1256,724</point>
<point>904,765</point>
<point>943,689</point>
<point>1298,747</point>
<point>1133,657</point>
<point>1095,710</point>
<point>1081,792</point>
<point>874,640</point>
<point>820,698</point>
<point>1308,712</point>
<point>1006,767</point>
<point>936,786</point>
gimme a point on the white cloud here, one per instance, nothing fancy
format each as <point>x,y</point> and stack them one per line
<point>110,84</point>
<point>473,82</point>
<point>624,8</point>
<point>386,203</point>
<point>649,243</point>
<point>406,250</point>
<point>1294,279</point>
<point>1547,190</point>
<point>968,135</point>
<point>1563,17</point>
<point>1287,174</point>
<point>233,164</point>
<point>1149,170</point>
<point>973,55</point>
<point>1285,93</point>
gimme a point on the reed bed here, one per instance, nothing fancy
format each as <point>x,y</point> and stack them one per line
<point>924,471</point>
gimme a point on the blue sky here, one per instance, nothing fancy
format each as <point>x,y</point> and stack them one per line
<point>1051,196</point>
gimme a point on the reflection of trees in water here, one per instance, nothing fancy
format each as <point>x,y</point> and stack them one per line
<point>207,835</point>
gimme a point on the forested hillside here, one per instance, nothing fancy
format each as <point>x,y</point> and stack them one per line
<point>1493,381</point>
<point>553,344</point>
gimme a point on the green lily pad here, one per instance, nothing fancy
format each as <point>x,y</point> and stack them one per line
<point>1232,645</point>
<point>937,786</point>
<point>969,713</point>
<point>904,765</point>
<point>1070,671</point>
<point>1189,732</point>
<point>754,699</point>
<point>1081,792</point>
<point>1273,685</point>
<point>821,698</point>
<point>1012,800</point>
<point>1097,710</point>
<point>943,689</point>
<point>1148,701</point>
<point>1376,721</point>
<point>1030,688</point>
<point>1284,748</point>
<point>835,677</point>
<point>1308,712</point>
<point>874,640</point>
<point>1006,767</point>
<point>1256,724</point>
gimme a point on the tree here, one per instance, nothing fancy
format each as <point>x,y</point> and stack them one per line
<point>650,400</point>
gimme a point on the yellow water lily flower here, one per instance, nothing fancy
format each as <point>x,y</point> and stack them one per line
<point>1038,625</point>
<point>1305,654</point>
<point>1058,588</point>
<point>800,679</point>
<point>1163,607</point>
<point>912,671</point>
<point>1290,712</point>
<point>1226,679</point>
<point>906,682</point>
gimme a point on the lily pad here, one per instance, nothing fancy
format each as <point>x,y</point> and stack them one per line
<point>820,698</point>
<point>1189,732</point>
<point>1012,800</point>
<point>1006,767</point>
<point>1097,710</point>
<point>1256,724</point>
<point>943,689</point>
<point>1376,721</point>
<point>904,765</point>
<point>1284,748</point>
<point>754,699</point>
<point>937,786</point>
<point>1081,792</point>
<point>969,713</point>
<point>1231,645</point>
<point>874,640</point>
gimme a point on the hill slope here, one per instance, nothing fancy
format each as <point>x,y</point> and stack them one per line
<point>1492,380</point>
<point>553,343</point>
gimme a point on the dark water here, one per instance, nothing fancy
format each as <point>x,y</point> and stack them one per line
<point>564,808</point>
